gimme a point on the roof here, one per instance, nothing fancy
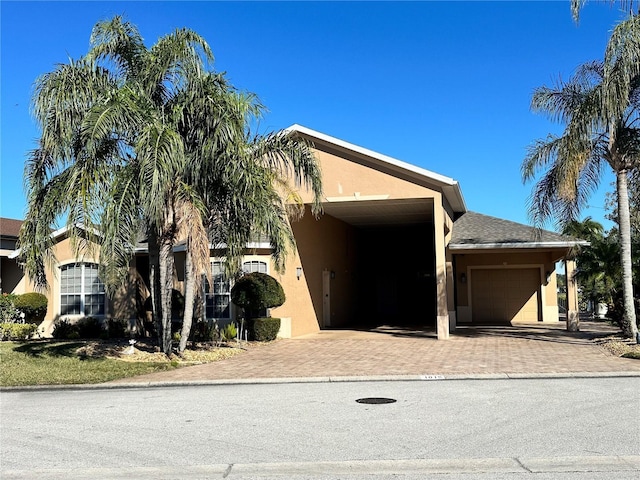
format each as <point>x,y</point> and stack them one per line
<point>10,227</point>
<point>59,233</point>
<point>476,231</point>
<point>450,187</point>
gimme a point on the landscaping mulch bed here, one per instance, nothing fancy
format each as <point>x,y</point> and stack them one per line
<point>146,351</point>
<point>619,346</point>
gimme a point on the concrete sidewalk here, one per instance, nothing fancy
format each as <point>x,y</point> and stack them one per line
<point>529,350</point>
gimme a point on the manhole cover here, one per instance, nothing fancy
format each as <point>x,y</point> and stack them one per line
<point>376,400</point>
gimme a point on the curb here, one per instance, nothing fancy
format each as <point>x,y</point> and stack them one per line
<point>328,379</point>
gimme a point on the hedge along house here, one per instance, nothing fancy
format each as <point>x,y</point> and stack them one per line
<point>395,246</point>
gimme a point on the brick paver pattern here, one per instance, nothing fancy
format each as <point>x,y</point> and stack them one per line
<point>528,349</point>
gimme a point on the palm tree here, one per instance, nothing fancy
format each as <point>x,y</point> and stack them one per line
<point>576,6</point>
<point>138,139</point>
<point>597,266</point>
<point>600,107</point>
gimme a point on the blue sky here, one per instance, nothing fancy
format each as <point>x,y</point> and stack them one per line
<point>442,85</point>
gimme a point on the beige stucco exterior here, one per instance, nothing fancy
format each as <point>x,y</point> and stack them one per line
<point>543,261</point>
<point>378,253</point>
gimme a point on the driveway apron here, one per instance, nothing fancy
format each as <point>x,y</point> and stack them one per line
<point>517,350</point>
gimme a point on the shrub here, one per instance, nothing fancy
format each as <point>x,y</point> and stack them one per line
<point>64,330</point>
<point>90,327</point>
<point>256,292</point>
<point>34,306</point>
<point>17,331</point>
<point>229,332</point>
<point>264,329</point>
<point>202,331</point>
<point>8,310</point>
<point>117,328</point>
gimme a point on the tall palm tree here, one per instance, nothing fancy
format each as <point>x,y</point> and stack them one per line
<point>600,107</point>
<point>627,5</point>
<point>138,139</point>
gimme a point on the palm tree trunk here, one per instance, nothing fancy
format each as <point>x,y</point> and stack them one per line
<point>154,284</point>
<point>166,288</point>
<point>629,321</point>
<point>189,299</point>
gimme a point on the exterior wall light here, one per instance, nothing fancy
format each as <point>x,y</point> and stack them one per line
<point>298,272</point>
<point>463,278</point>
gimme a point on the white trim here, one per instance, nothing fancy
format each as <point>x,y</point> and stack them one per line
<point>357,197</point>
<point>486,246</point>
<point>451,187</point>
<point>266,245</point>
<point>60,232</point>
<point>57,291</point>
<point>257,258</point>
<point>221,246</point>
<point>231,316</point>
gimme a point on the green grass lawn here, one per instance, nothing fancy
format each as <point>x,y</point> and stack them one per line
<point>58,363</point>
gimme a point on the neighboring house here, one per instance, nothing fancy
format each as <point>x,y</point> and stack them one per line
<point>11,275</point>
<point>395,245</point>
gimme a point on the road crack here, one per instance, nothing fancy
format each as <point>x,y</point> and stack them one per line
<point>522,464</point>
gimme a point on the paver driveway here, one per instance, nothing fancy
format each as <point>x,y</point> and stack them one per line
<point>528,350</point>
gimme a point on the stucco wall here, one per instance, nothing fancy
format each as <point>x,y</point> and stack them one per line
<point>323,244</point>
<point>343,178</point>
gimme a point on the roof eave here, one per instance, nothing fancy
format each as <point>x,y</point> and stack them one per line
<point>519,245</point>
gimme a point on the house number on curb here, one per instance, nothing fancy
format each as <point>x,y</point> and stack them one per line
<point>432,377</point>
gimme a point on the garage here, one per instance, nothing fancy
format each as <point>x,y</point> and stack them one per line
<point>505,295</point>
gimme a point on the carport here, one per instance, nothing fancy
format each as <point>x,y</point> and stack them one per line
<point>376,256</point>
<point>394,265</point>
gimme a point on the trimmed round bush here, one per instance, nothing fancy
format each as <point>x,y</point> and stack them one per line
<point>33,305</point>
<point>264,329</point>
<point>257,291</point>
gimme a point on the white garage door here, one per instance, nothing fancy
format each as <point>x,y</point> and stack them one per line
<point>505,295</point>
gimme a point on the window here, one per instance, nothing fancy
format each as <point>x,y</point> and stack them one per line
<point>81,291</point>
<point>254,266</point>
<point>218,301</point>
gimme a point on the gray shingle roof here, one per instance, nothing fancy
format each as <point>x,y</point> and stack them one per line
<point>10,227</point>
<point>474,230</point>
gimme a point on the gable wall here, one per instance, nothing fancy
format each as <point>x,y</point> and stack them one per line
<point>343,176</point>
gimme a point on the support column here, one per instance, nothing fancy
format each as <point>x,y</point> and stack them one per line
<point>573,318</point>
<point>451,306</point>
<point>442,310</point>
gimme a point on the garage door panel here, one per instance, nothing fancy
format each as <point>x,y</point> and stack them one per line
<point>505,295</point>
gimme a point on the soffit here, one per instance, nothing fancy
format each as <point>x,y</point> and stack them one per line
<point>367,213</point>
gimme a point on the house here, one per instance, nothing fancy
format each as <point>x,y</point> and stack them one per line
<point>395,245</point>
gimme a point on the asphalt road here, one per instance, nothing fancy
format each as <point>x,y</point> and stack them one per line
<point>467,429</point>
